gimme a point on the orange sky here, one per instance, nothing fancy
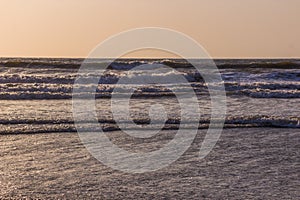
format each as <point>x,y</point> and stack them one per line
<point>226,28</point>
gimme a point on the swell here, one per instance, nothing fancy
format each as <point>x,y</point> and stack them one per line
<point>122,64</point>
<point>40,62</point>
<point>288,64</point>
<point>15,91</point>
<point>60,86</point>
<point>47,126</point>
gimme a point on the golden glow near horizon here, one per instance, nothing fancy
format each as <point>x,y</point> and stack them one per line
<point>226,28</point>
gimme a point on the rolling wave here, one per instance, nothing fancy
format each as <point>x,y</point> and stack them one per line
<point>50,126</point>
<point>14,91</point>
<point>45,79</point>
<point>123,64</point>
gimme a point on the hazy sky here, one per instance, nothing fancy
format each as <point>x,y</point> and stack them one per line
<point>226,28</point>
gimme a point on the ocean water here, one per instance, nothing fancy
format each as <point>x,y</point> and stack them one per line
<point>42,156</point>
<point>36,94</point>
<point>246,163</point>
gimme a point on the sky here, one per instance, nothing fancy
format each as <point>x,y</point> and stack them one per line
<point>225,28</point>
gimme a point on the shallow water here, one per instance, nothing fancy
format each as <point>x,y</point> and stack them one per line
<point>42,116</point>
<point>246,163</point>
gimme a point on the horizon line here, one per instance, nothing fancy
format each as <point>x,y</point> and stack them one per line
<point>150,58</point>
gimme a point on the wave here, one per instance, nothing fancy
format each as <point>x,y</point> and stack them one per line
<point>112,77</point>
<point>48,126</point>
<point>14,91</point>
<point>275,64</point>
<point>40,62</point>
<point>54,78</point>
<point>125,64</point>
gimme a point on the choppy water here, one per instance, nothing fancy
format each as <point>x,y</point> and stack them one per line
<point>36,94</point>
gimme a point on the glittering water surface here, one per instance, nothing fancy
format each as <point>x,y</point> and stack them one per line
<point>42,156</point>
<point>246,163</point>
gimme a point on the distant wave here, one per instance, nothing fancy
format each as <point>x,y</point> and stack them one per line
<point>35,78</point>
<point>124,64</point>
<point>14,91</point>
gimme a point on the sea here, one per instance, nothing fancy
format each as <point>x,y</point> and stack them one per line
<point>36,93</point>
<point>37,120</point>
